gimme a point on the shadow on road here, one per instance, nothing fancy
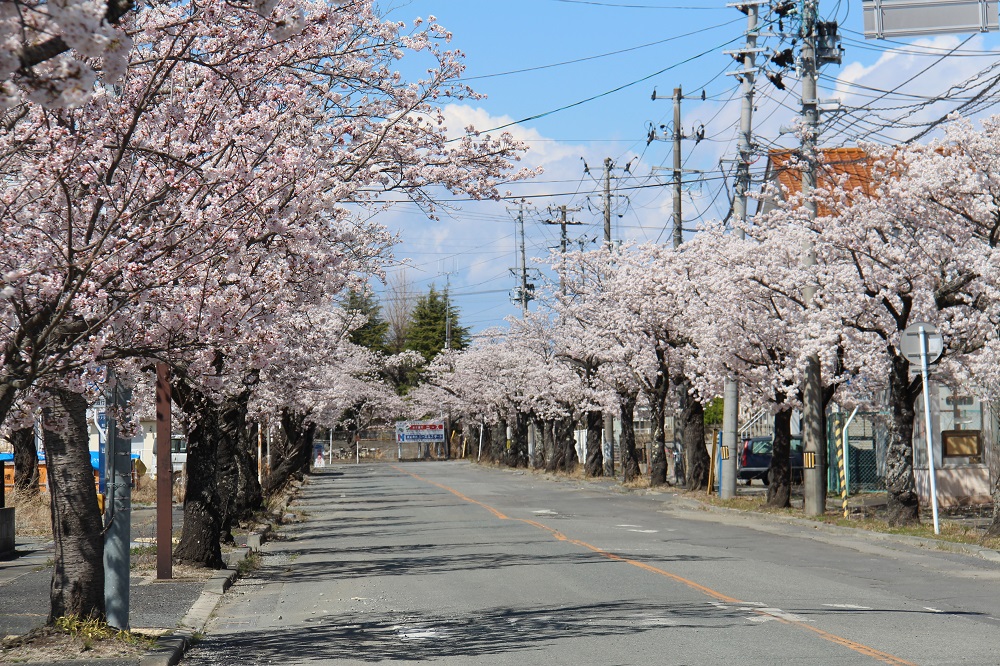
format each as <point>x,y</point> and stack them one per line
<point>495,631</point>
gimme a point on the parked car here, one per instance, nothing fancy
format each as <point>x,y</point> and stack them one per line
<point>755,459</point>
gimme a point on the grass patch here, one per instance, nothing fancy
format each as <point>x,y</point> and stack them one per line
<point>249,564</point>
<point>142,557</point>
<point>951,531</point>
<point>90,631</point>
<point>145,493</point>
<point>639,483</point>
<point>32,513</point>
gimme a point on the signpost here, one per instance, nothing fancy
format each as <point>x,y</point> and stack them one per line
<point>420,432</point>
<point>922,345</point>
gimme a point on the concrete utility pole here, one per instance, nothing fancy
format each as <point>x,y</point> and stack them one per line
<point>447,310</point>
<point>522,294</point>
<point>609,419</point>
<point>608,163</point>
<point>563,240</point>
<point>118,511</point>
<point>164,475</point>
<point>731,392</point>
<point>678,136</point>
<point>813,440</point>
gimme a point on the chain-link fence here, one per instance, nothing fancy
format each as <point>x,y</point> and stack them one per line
<point>864,458</point>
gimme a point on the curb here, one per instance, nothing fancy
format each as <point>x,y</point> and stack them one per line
<point>168,649</point>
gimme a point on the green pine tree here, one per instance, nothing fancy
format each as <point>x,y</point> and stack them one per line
<point>427,329</point>
<point>372,334</point>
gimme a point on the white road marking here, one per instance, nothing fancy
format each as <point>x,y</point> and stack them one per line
<point>782,615</point>
<point>761,618</point>
<point>545,512</point>
<point>645,531</point>
<point>851,606</point>
<point>933,610</point>
<point>628,525</point>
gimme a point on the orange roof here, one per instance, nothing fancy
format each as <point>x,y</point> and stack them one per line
<point>834,163</point>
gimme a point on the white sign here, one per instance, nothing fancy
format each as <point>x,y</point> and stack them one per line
<point>910,344</point>
<point>910,18</point>
<point>419,431</point>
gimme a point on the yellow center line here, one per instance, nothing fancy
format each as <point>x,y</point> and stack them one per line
<point>860,648</point>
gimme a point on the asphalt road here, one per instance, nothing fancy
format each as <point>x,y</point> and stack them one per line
<point>453,563</point>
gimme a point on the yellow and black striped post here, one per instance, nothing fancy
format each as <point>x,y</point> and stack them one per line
<point>839,434</point>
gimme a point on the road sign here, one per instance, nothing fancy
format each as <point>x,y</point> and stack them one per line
<point>909,18</point>
<point>910,344</point>
<point>419,431</point>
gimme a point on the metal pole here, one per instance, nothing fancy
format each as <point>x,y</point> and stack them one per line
<point>117,533</point>
<point>927,429</point>
<point>847,452</point>
<point>731,391</point>
<point>481,429</point>
<point>812,399</point>
<point>164,476</point>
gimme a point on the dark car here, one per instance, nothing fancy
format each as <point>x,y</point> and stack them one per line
<point>755,459</point>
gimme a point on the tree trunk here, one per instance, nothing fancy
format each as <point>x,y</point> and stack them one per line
<point>904,503</point>
<point>630,459</point>
<point>549,445</point>
<point>658,455</point>
<point>656,395</point>
<point>239,493</point>
<point>541,444</point>
<point>779,474</point>
<point>517,455</point>
<point>595,453</point>
<point>78,573</point>
<point>696,460</point>
<point>564,446</point>
<point>26,462</point>
<point>203,519</point>
<point>498,450</point>
<point>296,450</point>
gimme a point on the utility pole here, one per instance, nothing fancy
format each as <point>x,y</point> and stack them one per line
<point>447,310</point>
<point>563,240</point>
<point>731,392</point>
<point>524,292</point>
<point>609,419</point>
<point>164,474</point>
<point>607,202</point>
<point>118,510</point>
<point>524,267</point>
<point>813,440</point>
<point>678,135</point>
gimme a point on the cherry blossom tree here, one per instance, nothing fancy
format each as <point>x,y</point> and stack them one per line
<point>221,183</point>
<point>916,245</point>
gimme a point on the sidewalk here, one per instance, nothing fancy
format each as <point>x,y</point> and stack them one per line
<point>175,610</point>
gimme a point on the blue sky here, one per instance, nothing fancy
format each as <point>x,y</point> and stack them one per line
<point>535,57</point>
